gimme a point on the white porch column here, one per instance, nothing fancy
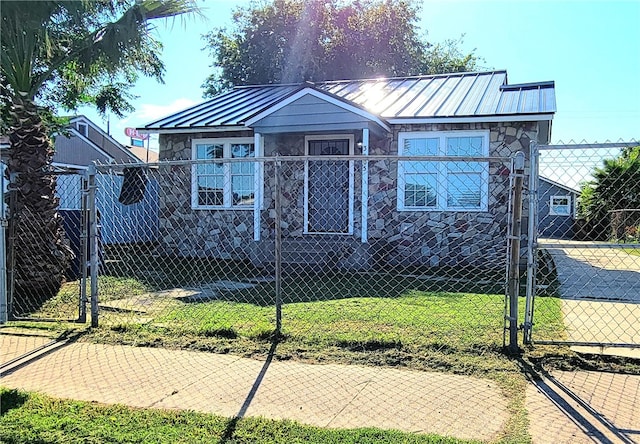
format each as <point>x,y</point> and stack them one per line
<point>257,185</point>
<point>365,185</point>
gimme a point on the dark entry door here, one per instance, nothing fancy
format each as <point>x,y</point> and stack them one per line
<point>328,187</point>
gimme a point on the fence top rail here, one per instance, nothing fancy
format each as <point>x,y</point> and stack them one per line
<point>578,146</point>
<point>587,244</point>
<point>624,210</point>
<point>271,159</point>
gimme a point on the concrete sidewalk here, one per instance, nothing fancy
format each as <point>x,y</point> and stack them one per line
<point>600,291</point>
<point>336,396</point>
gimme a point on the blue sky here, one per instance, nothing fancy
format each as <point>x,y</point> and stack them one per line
<point>591,49</point>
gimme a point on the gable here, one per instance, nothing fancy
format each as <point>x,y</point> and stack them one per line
<point>76,150</point>
<point>310,111</point>
<point>555,187</point>
<point>104,141</point>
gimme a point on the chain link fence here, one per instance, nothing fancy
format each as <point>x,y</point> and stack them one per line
<point>394,266</point>
<point>587,246</point>
<point>246,249</point>
<point>312,256</point>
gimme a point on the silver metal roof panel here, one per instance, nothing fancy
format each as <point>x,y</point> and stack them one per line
<point>421,97</point>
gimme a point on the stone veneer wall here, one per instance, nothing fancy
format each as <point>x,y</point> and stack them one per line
<point>185,232</point>
<point>402,237</point>
<point>449,238</point>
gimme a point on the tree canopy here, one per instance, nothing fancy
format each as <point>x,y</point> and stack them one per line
<point>61,54</point>
<point>68,53</point>
<point>289,41</point>
<point>615,186</point>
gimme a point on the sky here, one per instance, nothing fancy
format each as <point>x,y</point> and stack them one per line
<point>591,49</point>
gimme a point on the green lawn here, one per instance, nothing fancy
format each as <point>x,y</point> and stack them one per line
<point>423,321</point>
<point>35,418</point>
<point>410,327</point>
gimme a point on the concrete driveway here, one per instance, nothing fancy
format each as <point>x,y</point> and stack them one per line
<point>600,288</point>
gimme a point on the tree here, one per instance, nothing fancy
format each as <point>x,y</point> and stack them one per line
<point>615,186</point>
<point>285,41</point>
<point>63,53</point>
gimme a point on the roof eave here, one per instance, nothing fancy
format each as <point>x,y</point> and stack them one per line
<point>194,129</point>
<point>474,119</point>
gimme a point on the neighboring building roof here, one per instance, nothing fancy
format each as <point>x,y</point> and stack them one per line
<point>559,185</point>
<point>81,145</point>
<point>459,97</point>
<point>144,154</point>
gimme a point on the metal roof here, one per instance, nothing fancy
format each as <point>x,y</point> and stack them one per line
<point>443,96</point>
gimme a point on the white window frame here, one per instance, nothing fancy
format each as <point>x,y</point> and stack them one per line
<point>83,128</point>
<point>351,199</point>
<point>227,191</point>
<point>442,173</point>
<point>553,208</point>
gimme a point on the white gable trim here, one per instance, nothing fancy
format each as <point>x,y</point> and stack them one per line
<point>559,185</point>
<point>322,96</point>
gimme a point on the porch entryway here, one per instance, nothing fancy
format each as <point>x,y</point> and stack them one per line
<point>329,186</point>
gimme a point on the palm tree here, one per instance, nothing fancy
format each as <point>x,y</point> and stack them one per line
<point>61,54</point>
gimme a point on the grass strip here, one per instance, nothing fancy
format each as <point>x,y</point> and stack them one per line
<point>35,418</point>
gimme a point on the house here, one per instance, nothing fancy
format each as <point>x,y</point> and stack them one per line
<point>446,210</point>
<point>86,142</point>
<point>82,143</point>
<point>557,205</point>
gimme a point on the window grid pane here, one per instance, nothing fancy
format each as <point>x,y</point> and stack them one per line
<point>560,205</point>
<point>464,146</point>
<point>453,185</point>
<point>464,190</point>
<point>217,180</point>
<point>420,190</point>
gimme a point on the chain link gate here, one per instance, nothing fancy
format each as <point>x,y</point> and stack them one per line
<point>69,303</point>
<point>585,256</point>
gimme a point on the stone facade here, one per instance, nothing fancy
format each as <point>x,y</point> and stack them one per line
<point>420,238</point>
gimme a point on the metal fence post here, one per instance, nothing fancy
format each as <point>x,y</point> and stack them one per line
<point>11,241</point>
<point>532,240</point>
<point>278,246</point>
<point>93,243</point>
<point>514,253</point>
<point>4,303</point>
<point>84,247</point>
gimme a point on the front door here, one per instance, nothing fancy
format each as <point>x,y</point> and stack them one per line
<point>329,184</point>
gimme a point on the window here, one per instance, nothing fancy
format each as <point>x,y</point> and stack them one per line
<point>443,185</point>
<point>560,206</point>
<point>223,184</point>
<point>82,128</point>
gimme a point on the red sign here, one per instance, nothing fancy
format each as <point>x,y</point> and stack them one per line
<point>134,134</point>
